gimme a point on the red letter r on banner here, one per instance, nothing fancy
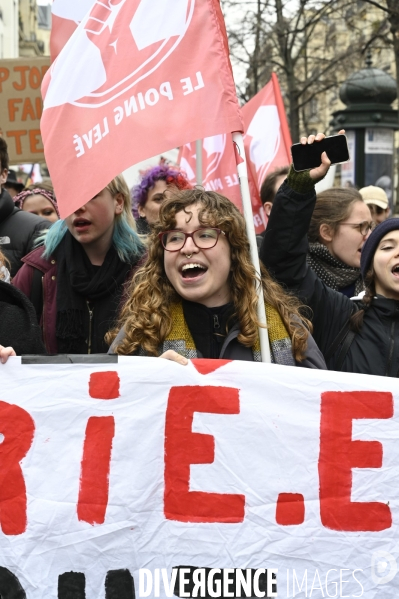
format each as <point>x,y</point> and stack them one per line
<point>183,448</point>
<point>18,429</point>
<point>339,454</point>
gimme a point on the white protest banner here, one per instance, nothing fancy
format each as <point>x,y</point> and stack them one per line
<point>114,475</point>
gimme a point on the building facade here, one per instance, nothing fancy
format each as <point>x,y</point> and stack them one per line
<point>9,27</point>
<point>34,28</point>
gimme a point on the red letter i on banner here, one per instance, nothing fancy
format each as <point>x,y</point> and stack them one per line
<point>96,460</point>
<point>94,483</point>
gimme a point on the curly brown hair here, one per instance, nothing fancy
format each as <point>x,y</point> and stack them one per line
<point>146,315</point>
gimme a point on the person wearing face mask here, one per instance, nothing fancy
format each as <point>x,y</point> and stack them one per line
<point>359,335</point>
<point>148,195</point>
<point>76,281</point>
<point>196,296</point>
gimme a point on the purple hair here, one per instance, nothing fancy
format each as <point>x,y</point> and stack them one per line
<point>163,172</point>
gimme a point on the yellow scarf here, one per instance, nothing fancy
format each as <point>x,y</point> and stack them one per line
<point>181,340</point>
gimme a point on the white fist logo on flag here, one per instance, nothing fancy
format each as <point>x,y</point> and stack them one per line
<point>214,148</point>
<point>264,130</point>
<point>143,32</point>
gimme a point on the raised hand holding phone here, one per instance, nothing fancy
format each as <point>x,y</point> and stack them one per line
<point>307,156</point>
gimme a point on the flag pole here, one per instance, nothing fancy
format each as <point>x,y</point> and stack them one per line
<point>198,161</point>
<point>249,221</point>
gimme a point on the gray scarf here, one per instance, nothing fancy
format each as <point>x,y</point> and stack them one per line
<point>331,271</point>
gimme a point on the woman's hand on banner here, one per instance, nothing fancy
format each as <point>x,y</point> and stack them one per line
<point>174,357</point>
<point>5,353</point>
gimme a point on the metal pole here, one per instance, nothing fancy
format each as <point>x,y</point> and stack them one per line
<point>198,161</point>
<point>249,220</point>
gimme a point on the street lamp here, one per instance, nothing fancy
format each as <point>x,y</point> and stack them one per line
<point>370,122</point>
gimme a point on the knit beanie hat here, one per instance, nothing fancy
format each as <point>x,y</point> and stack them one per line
<point>20,198</point>
<point>368,250</point>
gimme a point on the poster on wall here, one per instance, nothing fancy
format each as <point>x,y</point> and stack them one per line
<point>348,168</point>
<point>378,160</point>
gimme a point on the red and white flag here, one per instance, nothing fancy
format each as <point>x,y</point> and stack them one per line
<point>65,18</point>
<point>267,136</point>
<point>219,171</point>
<point>136,78</point>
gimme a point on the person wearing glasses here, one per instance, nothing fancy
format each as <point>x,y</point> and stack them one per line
<point>340,224</point>
<point>196,297</point>
<point>354,335</point>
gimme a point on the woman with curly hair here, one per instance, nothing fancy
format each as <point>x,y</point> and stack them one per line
<point>196,294</point>
<point>148,195</point>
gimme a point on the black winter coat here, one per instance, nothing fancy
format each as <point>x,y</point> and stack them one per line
<point>18,324</point>
<point>22,229</point>
<point>375,349</point>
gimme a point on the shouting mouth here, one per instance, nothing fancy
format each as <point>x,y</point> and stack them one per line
<point>395,271</point>
<point>193,270</point>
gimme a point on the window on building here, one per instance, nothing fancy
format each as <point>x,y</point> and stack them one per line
<point>44,17</point>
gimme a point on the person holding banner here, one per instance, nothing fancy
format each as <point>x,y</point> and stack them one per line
<point>195,296</point>
<point>76,283</point>
<point>148,195</point>
<point>358,335</point>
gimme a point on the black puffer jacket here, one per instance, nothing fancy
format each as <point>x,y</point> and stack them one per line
<point>22,229</point>
<point>18,324</point>
<point>375,349</point>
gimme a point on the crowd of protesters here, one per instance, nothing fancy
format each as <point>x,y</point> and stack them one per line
<point>166,271</point>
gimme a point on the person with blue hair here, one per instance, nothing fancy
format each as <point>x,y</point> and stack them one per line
<point>76,280</point>
<point>148,195</point>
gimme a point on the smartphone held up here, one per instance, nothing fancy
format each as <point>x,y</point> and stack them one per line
<point>305,157</point>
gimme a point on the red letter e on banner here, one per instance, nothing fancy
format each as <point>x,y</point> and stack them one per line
<point>339,454</point>
<point>183,448</point>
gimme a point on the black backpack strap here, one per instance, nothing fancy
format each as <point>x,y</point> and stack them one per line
<point>36,293</point>
<point>344,349</point>
<point>345,336</point>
